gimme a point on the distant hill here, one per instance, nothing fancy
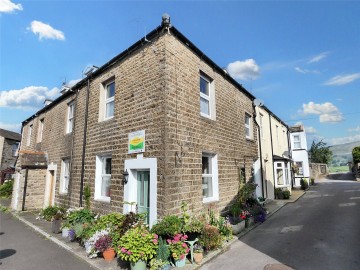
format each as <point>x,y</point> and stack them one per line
<point>342,153</point>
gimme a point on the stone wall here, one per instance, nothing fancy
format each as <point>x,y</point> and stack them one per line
<point>7,158</point>
<point>318,170</point>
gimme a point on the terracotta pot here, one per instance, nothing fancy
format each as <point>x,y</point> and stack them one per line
<point>198,257</point>
<point>109,254</point>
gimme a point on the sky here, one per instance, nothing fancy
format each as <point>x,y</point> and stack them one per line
<point>300,58</point>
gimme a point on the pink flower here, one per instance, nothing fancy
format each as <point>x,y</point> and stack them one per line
<point>187,250</point>
<point>182,256</point>
<point>123,250</point>
<point>184,245</point>
<point>128,252</point>
<point>155,241</point>
<point>169,241</point>
<point>143,235</point>
<point>185,236</point>
<point>156,236</point>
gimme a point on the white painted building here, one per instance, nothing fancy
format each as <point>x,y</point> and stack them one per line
<point>299,153</point>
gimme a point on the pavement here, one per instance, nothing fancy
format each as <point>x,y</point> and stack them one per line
<point>43,228</point>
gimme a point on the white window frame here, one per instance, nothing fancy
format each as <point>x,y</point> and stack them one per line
<point>286,173</point>
<point>248,127</point>
<point>261,126</point>
<point>297,142</point>
<point>300,168</point>
<point>64,176</point>
<point>210,98</point>
<point>100,167</point>
<point>70,117</point>
<point>14,151</point>
<point>29,135</point>
<point>213,160</point>
<point>109,100</point>
<point>40,130</point>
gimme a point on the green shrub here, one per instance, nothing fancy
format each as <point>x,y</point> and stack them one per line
<point>168,226</point>
<point>304,184</point>
<point>80,216</point>
<point>163,252</point>
<point>286,194</point>
<point>210,237</point>
<point>235,210</point>
<point>6,189</point>
<point>312,181</point>
<point>50,211</point>
<point>224,227</point>
<point>279,193</point>
<point>87,196</point>
<point>194,225</point>
<point>112,221</point>
<point>246,191</point>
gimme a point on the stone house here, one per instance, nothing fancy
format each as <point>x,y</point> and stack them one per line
<point>9,143</point>
<point>299,154</point>
<point>159,124</point>
<point>274,164</point>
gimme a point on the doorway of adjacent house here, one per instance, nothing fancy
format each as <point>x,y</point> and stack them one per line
<point>143,193</point>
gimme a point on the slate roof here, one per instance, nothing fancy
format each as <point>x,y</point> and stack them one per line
<point>10,135</point>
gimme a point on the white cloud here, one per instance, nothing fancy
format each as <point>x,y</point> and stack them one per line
<point>305,71</point>
<point>244,70</point>
<point>310,130</point>
<point>327,112</point>
<point>31,97</point>
<point>71,83</point>
<point>7,6</point>
<point>45,31</point>
<point>318,57</point>
<point>357,129</point>
<point>343,79</point>
<point>342,140</point>
<point>11,127</point>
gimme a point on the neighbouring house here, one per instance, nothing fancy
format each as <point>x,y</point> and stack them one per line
<point>9,144</point>
<point>299,154</point>
<point>159,124</point>
<point>273,168</point>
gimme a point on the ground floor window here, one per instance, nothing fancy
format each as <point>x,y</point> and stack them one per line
<point>282,173</point>
<point>300,168</point>
<point>103,178</point>
<point>65,175</point>
<point>210,177</point>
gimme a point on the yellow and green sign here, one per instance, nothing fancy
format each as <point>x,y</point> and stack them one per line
<point>137,142</point>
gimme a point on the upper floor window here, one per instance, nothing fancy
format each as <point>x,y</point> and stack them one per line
<point>207,97</point>
<point>297,141</point>
<point>209,178</point>
<point>248,126</point>
<point>109,100</point>
<point>70,117</point>
<point>103,178</point>
<point>14,149</point>
<point>29,135</point>
<point>40,130</point>
<point>65,175</point>
<point>261,126</point>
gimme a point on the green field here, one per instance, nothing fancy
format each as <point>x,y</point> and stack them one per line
<point>338,169</point>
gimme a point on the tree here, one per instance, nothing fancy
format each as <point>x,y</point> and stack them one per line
<point>356,154</point>
<point>320,153</point>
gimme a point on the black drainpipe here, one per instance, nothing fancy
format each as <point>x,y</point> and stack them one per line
<point>261,160</point>
<point>290,156</point>
<point>84,143</point>
<point>272,153</point>
<point>25,186</point>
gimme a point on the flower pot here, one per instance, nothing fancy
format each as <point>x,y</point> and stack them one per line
<point>109,254</point>
<point>237,228</point>
<point>180,263</point>
<point>166,267</point>
<point>198,256</point>
<point>139,265</point>
<point>55,225</point>
<point>65,232</point>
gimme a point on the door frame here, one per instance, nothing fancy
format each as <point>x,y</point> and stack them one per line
<point>130,189</point>
<point>49,185</point>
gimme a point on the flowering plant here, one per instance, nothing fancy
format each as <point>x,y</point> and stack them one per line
<point>90,248</point>
<point>137,244</point>
<point>103,243</point>
<point>178,247</point>
<point>245,214</point>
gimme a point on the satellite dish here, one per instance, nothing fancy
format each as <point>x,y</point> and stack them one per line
<point>258,102</point>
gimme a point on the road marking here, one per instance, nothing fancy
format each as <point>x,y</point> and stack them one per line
<point>328,195</point>
<point>346,204</point>
<point>354,198</point>
<point>292,229</point>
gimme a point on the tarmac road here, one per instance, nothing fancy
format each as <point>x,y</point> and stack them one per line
<point>21,248</point>
<point>319,231</point>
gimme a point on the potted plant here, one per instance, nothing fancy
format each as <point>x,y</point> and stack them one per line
<point>198,253</point>
<point>56,222</point>
<point>193,227</point>
<point>178,249</point>
<point>137,246</point>
<point>103,245</point>
<point>162,255</point>
<point>246,216</point>
<point>279,193</point>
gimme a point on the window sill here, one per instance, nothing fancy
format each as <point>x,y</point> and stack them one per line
<point>63,193</point>
<point>206,117</point>
<point>210,200</point>
<point>250,139</point>
<point>102,199</point>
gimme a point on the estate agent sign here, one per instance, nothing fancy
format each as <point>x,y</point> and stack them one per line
<point>137,142</point>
